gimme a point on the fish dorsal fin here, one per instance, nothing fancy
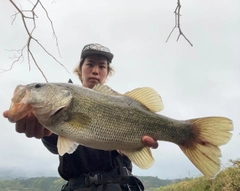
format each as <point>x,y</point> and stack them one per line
<point>142,158</point>
<point>148,97</point>
<point>64,145</point>
<point>105,89</point>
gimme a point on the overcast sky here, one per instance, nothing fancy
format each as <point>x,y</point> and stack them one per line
<point>203,80</point>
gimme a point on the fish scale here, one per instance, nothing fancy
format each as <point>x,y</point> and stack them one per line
<point>101,118</point>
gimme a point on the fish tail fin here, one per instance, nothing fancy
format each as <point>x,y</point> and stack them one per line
<point>204,151</point>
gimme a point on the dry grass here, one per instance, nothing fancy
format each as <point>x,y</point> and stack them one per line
<point>226,180</point>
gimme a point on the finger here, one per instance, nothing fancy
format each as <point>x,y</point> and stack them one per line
<point>154,145</point>
<point>21,125</point>
<point>5,114</point>
<point>31,125</point>
<point>47,132</point>
<point>39,131</point>
<point>150,142</point>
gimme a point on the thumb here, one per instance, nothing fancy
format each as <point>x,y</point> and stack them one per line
<point>5,114</point>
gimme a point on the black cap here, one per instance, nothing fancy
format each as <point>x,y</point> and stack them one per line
<point>94,48</point>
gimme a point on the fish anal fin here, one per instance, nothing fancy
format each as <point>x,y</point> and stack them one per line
<point>142,158</point>
<point>105,89</point>
<point>204,151</point>
<point>64,145</point>
<point>148,97</point>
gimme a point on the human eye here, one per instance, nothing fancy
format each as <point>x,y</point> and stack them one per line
<point>102,66</point>
<point>89,64</point>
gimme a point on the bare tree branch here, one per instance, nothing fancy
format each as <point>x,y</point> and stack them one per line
<point>54,33</point>
<point>177,23</point>
<point>30,55</point>
<point>16,58</point>
<point>31,38</point>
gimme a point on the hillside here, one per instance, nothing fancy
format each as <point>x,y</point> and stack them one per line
<point>226,180</point>
<point>55,183</point>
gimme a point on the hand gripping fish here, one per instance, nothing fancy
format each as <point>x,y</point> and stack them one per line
<point>101,118</point>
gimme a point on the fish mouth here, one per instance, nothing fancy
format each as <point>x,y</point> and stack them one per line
<point>19,107</point>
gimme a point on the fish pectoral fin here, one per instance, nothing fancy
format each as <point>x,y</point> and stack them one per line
<point>64,145</point>
<point>148,97</point>
<point>105,89</point>
<point>142,158</point>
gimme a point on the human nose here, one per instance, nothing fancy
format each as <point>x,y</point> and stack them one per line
<point>95,70</point>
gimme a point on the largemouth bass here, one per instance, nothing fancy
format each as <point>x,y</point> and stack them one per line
<point>101,118</point>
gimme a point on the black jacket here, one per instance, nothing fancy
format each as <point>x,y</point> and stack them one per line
<point>84,159</point>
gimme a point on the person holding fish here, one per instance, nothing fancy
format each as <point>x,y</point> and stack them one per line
<point>86,168</point>
<point>113,129</point>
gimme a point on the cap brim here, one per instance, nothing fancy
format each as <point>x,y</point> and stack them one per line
<point>91,52</point>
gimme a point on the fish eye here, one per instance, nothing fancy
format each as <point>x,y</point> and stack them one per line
<point>37,86</point>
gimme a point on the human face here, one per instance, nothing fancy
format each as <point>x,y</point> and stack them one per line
<point>94,70</point>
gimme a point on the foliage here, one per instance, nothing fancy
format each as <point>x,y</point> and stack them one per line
<point>55,183</point>
<point>153,182</point>
<point>226,180</point>
<point>32,184</point>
